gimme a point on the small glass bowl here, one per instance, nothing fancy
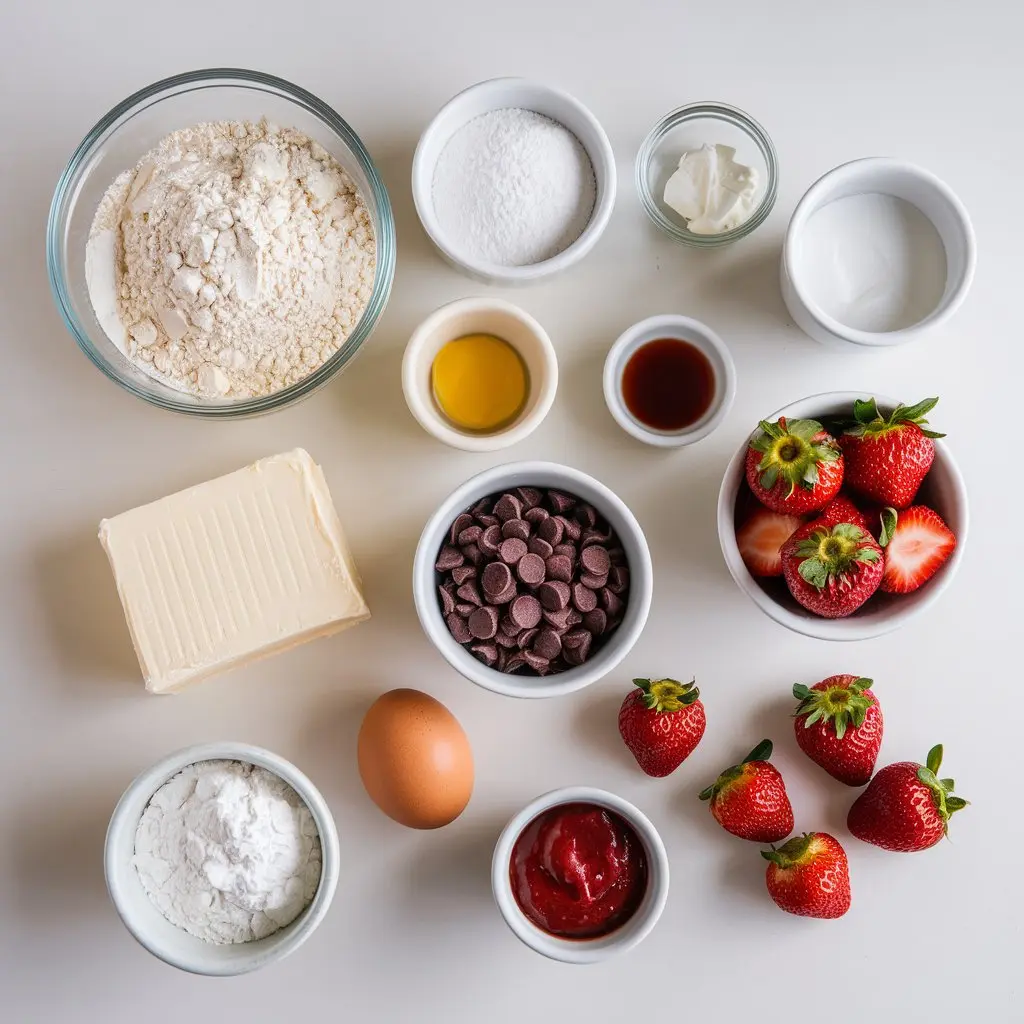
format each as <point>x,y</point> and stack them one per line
<point>688,128</point>
<point>120,139</point>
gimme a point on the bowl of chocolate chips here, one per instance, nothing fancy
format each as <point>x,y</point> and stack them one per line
<point>533,579</point>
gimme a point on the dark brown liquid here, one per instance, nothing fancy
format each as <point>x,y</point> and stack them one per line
<point>668,384</point>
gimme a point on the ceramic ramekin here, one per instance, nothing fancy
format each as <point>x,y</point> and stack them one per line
<point>922,189</point>
<point>685,329</point>
<point>562,478</point>
<point>173,945</point>
<point>943,490</point>
<point>582,951</point>
<point>480,316</point>
<point>498,94</point>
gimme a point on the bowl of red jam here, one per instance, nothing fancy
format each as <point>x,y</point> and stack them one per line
<point>580,875</point>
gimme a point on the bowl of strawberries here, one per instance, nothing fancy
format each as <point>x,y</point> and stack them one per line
<point>844,515</point>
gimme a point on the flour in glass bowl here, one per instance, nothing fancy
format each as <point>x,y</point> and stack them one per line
<point>233,260</point>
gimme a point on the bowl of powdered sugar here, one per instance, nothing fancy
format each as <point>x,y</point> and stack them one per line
<point>221,243</point>
<point>513,181</point>
<point>221,859</point>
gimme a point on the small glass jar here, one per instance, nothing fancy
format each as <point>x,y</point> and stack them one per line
<point>686,129</point>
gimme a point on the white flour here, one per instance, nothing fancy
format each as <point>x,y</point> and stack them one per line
<point>228,851</point>
<point>513,187</point>
<point>233,261</point>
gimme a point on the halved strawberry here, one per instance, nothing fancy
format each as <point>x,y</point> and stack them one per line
<point>760,540</point>
<point>916,543</point>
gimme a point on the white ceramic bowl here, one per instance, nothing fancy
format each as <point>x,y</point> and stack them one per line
<point>916,186</point>
<point>534,474</point>
<point>499,94</point>
<point>943,490</point>
<point>173,945</point>
<point>480,316</point>
<point>582,951</point>
<point>685,329</point>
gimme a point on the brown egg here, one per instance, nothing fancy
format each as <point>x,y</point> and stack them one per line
<point>415,760</point>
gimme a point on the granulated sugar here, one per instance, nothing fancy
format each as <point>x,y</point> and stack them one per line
<point>513,187</point>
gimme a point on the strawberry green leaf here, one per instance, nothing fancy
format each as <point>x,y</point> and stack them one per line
<point>813,570</point>
<point>865,410</point>
<point>861,684</point>
<point>889,519</point>
<point>934,759</point>
<point>706,794</point>
<point>761,752</point>
<point>956,803</point>
<point>915,413</point>
<point>931,433</point>
<point>948,785</point>
<point>801,692</point>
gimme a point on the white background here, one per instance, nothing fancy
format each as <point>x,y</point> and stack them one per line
<point>412,934</point>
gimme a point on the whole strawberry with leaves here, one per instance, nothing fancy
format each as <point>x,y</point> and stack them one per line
<point>906,806</point>
<point>832,569</point>
<point>838,725</point>
<point>809,876</point>
<point>887,457</point>
<point>750,799</point>
<point>794,466</point>
<point>661,722</point>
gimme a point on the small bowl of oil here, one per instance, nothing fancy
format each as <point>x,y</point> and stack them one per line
<point>479,374</point>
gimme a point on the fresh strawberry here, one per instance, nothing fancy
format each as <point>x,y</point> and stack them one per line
<point>888,457</point>
<point>794,466</point>
<point>809,876</point>
<point>916,542</point>
<point>841,509</point>
<point>760,540</point>
<point>832,570</point>
<point>661,722</point>
<point>906,807</point>
<point>750,800</point>
<point>838,725</point>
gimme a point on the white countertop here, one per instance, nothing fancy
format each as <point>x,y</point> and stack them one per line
<point>413,934</point>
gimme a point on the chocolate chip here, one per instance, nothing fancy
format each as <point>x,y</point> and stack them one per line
<point>536,515</point>
<point>540,547</point>
<point>516,528</point>
<point>503,657</point>
<point>525,611</point>
<point>512,550</point>
<point>530,568</point>
<point>611,603</point>
<point>617,556</point>
<point>573,618</point>
<point>595,560</point>
<point>459,629</point>
<point>542,666</point>
<point>554,595</point>
<point>560,620</point>
<point>465,609</point>
<point>572,528</point>
<point>450,558</point>
<point>596,621</point>
<point>508,594</point>
<point>577,646</point>
<point>547,643</point>
<point>483,623</point>
<point>463,573</point>
<point>618,579</point>
<point>560,502</point>
<point>447,601</point>
<point>515,662</point>
<point>583,598</point>
<point>509,626</point>
<point>529,496</point>
<point>490,540</point>
<point>473,553</point>
<point>487,653</point>
<point>470,535</point>
<point>506,641</point>
<point>470,592</point>
<point>461,522</point>
<point>588,579</point>
<point>507,507</point>
<point>575,638</point>
<point>569,550</point>
<point>496,578</point>
<point>595,536</point>
<point>487,520</point>
<point>586,515</point>
<point>551,530</point>
<point>559,568</point>
<point>526,638</point>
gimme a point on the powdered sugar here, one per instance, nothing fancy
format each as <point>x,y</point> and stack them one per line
<point>243,258</point>
<point>228,851</point>
<point>513,187</point>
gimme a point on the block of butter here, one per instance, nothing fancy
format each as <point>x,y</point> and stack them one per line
<point>232,570</point>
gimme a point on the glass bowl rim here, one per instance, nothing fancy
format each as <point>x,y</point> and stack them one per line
<point>714,111</point>
<point>384,232</point>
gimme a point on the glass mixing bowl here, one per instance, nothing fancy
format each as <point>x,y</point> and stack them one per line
<point>117,143</point>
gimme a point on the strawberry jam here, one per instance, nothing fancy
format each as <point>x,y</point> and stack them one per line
<point>578,871</point>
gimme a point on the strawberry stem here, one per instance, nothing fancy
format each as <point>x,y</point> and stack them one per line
<point>843,706</point>
<point>667,694</point>
<point>828,555</point>
<point>791,452</point>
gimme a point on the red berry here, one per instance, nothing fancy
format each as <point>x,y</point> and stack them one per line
<point>838,725</point>
<point>760,540</point>
<point>842,510</point>
<point>917,543</point>
<point>794,466</point>
<point>750,800</point>
<point>809,876</point>
<point>832,570</point>
<point>661,722</point>
<point>888,457</point>
<point>906,806</point>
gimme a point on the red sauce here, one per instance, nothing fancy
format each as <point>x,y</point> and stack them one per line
<point>668,384</point>
<point>578,871</point>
